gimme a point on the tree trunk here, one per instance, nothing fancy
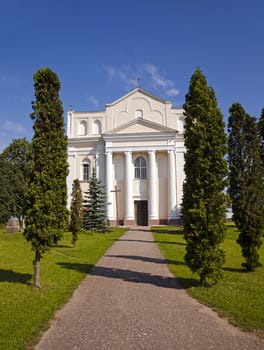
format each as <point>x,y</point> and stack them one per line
<point>37,269</point>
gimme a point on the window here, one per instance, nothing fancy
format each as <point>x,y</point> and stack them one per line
<point>139,114</point>
<point>86,170</point>
<point>140,168</point>
<point>82,128</point>
<point>97,129</point>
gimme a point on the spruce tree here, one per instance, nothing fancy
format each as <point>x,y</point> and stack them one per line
<point>204,207</point>
<point>94,208</point>
<point>47,216</point>
<point>76,210</point>
<point>246,183</point>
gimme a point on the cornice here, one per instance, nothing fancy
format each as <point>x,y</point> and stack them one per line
<point>148,136</point>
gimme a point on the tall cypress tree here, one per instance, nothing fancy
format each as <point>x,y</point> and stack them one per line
<point>246,183</point>
<point>94,208</point>
<point>47,216</point>
<point>204,208</point>
<point>261,135</point>
<point>76,210</point>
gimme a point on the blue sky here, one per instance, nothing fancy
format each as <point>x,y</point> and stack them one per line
<point>98,48</point>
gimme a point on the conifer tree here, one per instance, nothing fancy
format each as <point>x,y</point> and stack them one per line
<point>76,210</point>
<point>261,135</point>
<point>94,208</point>
<point>203,189</point>
<point>246,183</point>
<point>47,216</point>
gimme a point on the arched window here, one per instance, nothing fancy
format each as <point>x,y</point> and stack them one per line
<point>85,170</point>
<point>82,128</point>
<point>140,168</point>
<point>97,127</point>
<point>139,113</point>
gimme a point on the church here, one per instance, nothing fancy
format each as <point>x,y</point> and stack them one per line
<point>136,146</point>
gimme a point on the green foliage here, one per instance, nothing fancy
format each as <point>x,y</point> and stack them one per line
<point>94,207</point>
<point>246,182</point>
<point>238,297</point>
<point>47,215</point>
<point>261,135</point>
<point>206,169</point>
<point>26,311</point>
<point>14,171</point>
<point>76,217</point>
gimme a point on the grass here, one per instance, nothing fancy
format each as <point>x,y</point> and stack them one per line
<point>239,297</point>
<point>24,310</point>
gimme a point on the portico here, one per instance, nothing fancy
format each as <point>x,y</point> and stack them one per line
<point>140,188</point>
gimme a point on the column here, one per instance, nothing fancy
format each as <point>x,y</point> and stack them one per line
<point>180,176</point>
<point>70,178</point>
<point>109,184</point>
<point>171,187</point>
<point>129,208</point>
<point>153,205</point>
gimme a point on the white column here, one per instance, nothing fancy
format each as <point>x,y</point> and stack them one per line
<point>71,176</point>
<point>109,184</point>
<point>153,207</point>
<point>129,209</point>
<point>180,176</point>
<point>171,186</point>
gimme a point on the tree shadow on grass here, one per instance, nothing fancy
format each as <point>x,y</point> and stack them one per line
<point>233,269</point>
<point>176,231</point>
<point>15,277</point>
<point>187,283</point>
<point>84,268</point>
<point>167,242</point>
<point>63,246</point>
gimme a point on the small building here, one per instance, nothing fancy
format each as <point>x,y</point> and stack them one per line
<point>136,146</point>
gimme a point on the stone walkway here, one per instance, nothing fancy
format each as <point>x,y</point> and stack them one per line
<point>131,301</point>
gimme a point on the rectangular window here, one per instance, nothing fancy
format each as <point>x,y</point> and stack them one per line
<point>140,168</point>
<point>86,171</point>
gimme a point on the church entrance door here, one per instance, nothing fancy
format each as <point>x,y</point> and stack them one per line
<point>141,211</point>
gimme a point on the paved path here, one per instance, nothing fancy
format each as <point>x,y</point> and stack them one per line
<point>131,301</point>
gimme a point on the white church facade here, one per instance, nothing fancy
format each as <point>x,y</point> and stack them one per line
<point>136,146</point>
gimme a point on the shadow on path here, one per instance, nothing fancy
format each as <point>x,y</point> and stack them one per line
<point>138,257</point>
<point>125,275</point>
<point>147,259</point>
<point>136,277</point>
<point>133,240</point>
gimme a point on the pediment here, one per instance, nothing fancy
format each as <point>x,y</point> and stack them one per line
<point>140,126</point>
<point>135,92</point>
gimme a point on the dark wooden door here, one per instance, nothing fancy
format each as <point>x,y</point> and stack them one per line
<point>141,211</point>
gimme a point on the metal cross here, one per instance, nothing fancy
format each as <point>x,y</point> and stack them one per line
<point>116,190</point>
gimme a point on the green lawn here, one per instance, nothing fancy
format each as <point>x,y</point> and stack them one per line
<point>25,310</point>
<point>239,296</point>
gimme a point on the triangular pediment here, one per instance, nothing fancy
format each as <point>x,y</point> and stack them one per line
<point>134,92</point>
<point>139,126</point>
